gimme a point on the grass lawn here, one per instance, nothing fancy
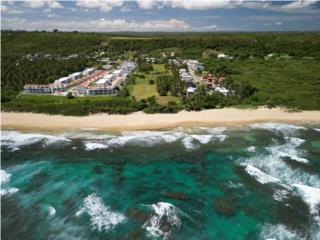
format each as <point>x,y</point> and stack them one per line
<point>159,67</point>
<point>142,89</point>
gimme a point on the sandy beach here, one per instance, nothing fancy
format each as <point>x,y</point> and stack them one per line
<point>142,121</point>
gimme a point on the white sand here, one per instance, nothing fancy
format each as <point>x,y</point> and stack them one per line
<point>142,121</point>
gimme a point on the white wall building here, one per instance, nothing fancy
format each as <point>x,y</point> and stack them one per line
<point>88,71</point>
<point>62,80</point>
<point>222,90</point>
<point>75,75</point>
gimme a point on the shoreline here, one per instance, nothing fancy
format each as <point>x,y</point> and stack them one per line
<point>225,117</point>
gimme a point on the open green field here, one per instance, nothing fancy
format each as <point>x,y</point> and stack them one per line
<point>142,89</point>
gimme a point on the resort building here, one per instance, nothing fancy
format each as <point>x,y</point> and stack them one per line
<point>212,80</point>
<point>195,65</point>
<point>101,91</point>
<point>128,66</point>
<point>221,90</point>
<point>118,73</point>
<point>75,75</point>
<point>38,89</point>
<point>182,70</point>
<point>106,80</point>
<point>190,91</point>
<point>88,71</point>
<point>88,82</point>
<point>62,80</point>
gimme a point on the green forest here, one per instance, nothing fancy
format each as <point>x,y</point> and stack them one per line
<point>267,69</point>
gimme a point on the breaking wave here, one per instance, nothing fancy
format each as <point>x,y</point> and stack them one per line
<point>52,211</point>
<point>290,181</point>
<point>283,128</point>
<point>260,176</point>
<point>272,163</point>
<point>5,178</point>
<point>279,232</point>
<point>151,138</point>
<point>93,146</point>
<point>92,140</point>
<point>101,216</point>
<point>165,217</point>
<point>14,139</point>
<point>311,196</point>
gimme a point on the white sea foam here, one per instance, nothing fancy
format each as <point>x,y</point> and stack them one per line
<point>280,194</point>
<point>251,149</point>
<point>93,146</point>
<point>8,191</point>
<point>151,138</point>
<point>317,129</point>
<point>285,129</point>
<point>277,232</point>
<point>162,211</point>
<point>4,176</point>
<point>288,149</point>
<point>15,139</point>
<point>86,135</point>
<point>214,131</point>
<point>310,195</point>
<point>260,176</point>
<point>101,216</point>
<point>272,163</point>
<point>52,211</point>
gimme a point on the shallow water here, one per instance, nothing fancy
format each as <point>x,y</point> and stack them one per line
<point>256,182</point>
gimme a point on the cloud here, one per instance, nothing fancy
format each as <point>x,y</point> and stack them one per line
<point>125,9</point>
<point>8,8</point>
<point>210,28</point>
<point>150,4</point>
<point>34,4</point>
<point>187,4</point>
<point>278,23</point>
<point>292,6</point>
<point>100,25</point>
<point>42,3</point>
<point>101,5</point>
<point>54,4</point>
<point>299,4</point>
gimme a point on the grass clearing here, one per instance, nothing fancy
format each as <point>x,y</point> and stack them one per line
<point>143,91</point>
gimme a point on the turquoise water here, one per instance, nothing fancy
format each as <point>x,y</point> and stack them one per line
<point>255,182</point>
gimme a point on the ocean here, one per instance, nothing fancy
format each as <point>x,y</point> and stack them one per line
<point>261,181</point>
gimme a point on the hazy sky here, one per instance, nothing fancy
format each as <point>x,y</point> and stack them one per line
<point>169,15</point>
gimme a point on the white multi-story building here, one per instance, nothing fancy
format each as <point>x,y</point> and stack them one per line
<point>88,71</point>
<point>38,89</point>
<point>75,75</point>
<point>106,80</point>
<point>62,80</point>
<point>101,91</point>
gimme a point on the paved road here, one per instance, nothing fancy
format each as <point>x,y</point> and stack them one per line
<point>196,78</point>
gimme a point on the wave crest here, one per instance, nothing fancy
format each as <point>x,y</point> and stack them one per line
<point>101,216</point>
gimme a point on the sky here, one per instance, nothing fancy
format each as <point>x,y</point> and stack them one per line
<point>161,16</point>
